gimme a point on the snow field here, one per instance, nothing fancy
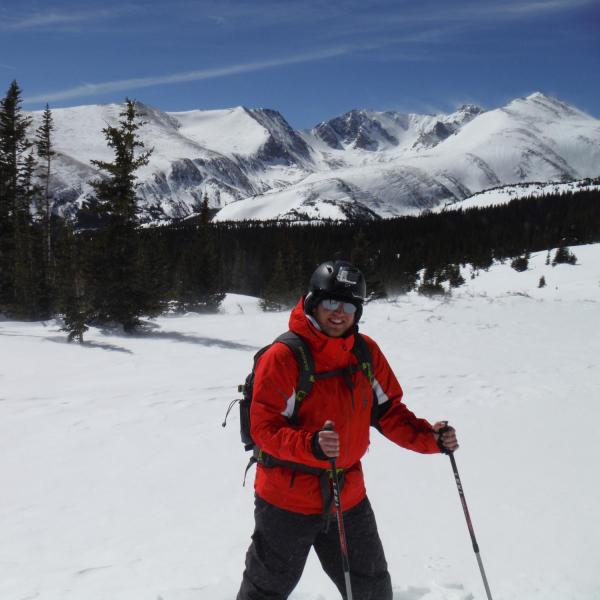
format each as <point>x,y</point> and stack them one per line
<point>230,131</point>
<point>504,195</point>
<point>118,481</point>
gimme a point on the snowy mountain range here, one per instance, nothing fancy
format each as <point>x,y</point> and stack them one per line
<point>364,164</point>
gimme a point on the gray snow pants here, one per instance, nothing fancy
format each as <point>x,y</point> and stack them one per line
<point>282,540</point>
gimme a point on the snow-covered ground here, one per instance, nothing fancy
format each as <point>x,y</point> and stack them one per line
<point>119,483</point>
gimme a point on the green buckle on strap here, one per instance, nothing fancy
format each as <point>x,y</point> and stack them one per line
<point>338,470</point>
<point>300,395</point>
<point>368,371</point>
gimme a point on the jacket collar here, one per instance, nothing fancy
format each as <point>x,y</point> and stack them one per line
<point>328,352</point>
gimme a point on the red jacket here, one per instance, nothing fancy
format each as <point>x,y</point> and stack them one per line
<point>276,377</point>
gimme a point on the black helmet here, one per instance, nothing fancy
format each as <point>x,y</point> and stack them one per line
<point>336,279</point>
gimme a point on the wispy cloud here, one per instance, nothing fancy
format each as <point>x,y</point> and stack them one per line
<point>49,19</point>
<point>52,19</point>
<point>124,85</point>
<point>10,67</point>
<point>450,18</point>
<point>537,6</point>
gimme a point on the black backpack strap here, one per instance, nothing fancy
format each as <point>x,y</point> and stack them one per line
<point>365,360</point>
<point>363,356</point>
<point>306,367</point>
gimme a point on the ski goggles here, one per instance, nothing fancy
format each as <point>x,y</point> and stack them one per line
<point>333,304</point>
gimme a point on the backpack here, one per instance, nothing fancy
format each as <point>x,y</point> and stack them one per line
<point>306,378</point>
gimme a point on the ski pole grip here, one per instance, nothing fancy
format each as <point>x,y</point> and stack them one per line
<point>439,441</point>
<point>329,427</point>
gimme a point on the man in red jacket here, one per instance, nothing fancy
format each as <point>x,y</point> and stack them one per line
<point>291,513</point>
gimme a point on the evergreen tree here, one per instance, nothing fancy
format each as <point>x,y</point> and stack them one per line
<point>28,287</point>
<point>13,146</point>
<point>112,272</point>
<point>520,263</point>
<point>15,188</point>
<point>542,282</point>
<point>72,302</point>
<point>201,208</point>
<point>432,283</point>
<point>200,205</point>
<point>451,273</point>
<point>116,193</point>
<point>45,150</point>
<point>564,255</point>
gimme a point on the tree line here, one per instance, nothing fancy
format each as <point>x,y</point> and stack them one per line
<point>104,268</point>
<point>274,260</point>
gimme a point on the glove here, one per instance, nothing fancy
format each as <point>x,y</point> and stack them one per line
<point>445,437</point>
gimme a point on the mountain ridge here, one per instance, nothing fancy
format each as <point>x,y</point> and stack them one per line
<point>362,164</point>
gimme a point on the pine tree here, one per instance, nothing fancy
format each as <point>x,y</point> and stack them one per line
<point>113,279</point>
<point>200,207</point>
<point>204,211</point>
<point>28,288</point>
<point>564,255</point>
<point>45,150</point>
<point>520,263</point>
<point>432,283</point>
<point>15,188</point>
<point>116,193</point>
<point>72,302</point>
<point>451,273</point>
<point>13,146</point>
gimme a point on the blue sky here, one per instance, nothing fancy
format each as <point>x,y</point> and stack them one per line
<point>309,59</point>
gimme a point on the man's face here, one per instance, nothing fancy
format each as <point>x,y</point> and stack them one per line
<point>336,322</point>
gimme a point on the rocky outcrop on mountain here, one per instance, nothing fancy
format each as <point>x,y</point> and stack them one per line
<point>357,129</point>
<point>437,131</point>
<point>283,143</point>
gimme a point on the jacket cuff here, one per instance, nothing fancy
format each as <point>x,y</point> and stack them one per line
<point>316,448</point>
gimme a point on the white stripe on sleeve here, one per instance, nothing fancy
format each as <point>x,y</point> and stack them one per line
<point>382,397</point>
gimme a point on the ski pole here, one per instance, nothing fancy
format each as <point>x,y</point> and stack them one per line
<point>335,484</point>
<point>467,516</point>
